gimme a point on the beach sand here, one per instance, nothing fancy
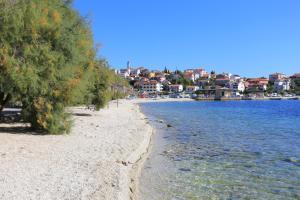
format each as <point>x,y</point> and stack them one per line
<point>94,161</point>
<point>100,159</point>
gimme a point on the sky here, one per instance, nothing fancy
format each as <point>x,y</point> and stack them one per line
<point>246,37</point>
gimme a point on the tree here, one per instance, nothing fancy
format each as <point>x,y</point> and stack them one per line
<point>270,87</point>
<point>295,87</point>
<point>46,60</point>
<point>107,85</point>
<point>166,71</point>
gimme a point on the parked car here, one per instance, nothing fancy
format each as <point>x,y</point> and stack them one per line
<point>174,96</point>
<point>194,96</point>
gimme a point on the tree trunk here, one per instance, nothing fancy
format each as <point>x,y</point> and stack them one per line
<point>4,99</point>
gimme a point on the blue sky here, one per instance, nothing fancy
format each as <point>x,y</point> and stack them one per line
<point>247,37</point>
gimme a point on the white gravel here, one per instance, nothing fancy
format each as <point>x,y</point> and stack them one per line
<point>93,162</point>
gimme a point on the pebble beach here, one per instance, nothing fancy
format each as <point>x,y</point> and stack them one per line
<point>97,160</point>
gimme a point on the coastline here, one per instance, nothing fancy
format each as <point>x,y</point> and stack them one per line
<point>138,165</point>
<point>97,160</point>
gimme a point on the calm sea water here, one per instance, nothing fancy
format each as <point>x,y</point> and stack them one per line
<point>223,150</point>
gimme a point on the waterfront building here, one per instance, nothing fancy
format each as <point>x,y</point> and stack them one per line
<point>223,92</point>
<point>151,86</point>
<point>176,88</point>
<point>238,85</point>
<point>281,85</point>
<point>256,84</point>
<point>191,89</point>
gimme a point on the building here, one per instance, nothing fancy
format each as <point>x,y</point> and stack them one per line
<point>224,82</point>
<point>191,89</point>
<point>151,86</point>
<point>281,85</point>
<point>194,74</point>
<point>223,92</point>
<point>125,73</point>
<point>238,86</point>
<point>222,76</point>
<point>276,76</point>
<point>203,82</point>
<point>151,75</point>
<point>138,83</point>
<point>159,77</point>
<point>201,72</point>
<point>176,88</point>
<point>189,76</point>
<point>256,84</point>
<point>217,92</point>
<point>135,72</point>
<point>235,77</point>
<point>189,71</point>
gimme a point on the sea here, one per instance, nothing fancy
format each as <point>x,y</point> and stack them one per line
<point>223,150</point>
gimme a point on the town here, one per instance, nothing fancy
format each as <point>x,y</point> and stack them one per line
<point>199,84</point>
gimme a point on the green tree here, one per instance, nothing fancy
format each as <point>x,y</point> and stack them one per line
<point>107,85</point>
<point>270,87</point>
<point>46,60</point>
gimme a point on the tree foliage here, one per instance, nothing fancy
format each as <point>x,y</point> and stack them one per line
<point>47,61</point>
<point>107,85</point>
<point>178,78</point>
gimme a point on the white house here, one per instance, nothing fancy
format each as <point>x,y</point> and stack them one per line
<point>135,72</point>
<point>282,85</point>
<point>151,86</point>
<point>124,72</point>
<point>176,88</point>
<point>238,85</point>
<point>191,89</point>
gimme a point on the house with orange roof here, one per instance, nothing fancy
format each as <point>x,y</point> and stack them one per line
<point>256,84</point>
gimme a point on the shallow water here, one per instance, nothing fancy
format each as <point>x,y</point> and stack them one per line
<point>223,150</point>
